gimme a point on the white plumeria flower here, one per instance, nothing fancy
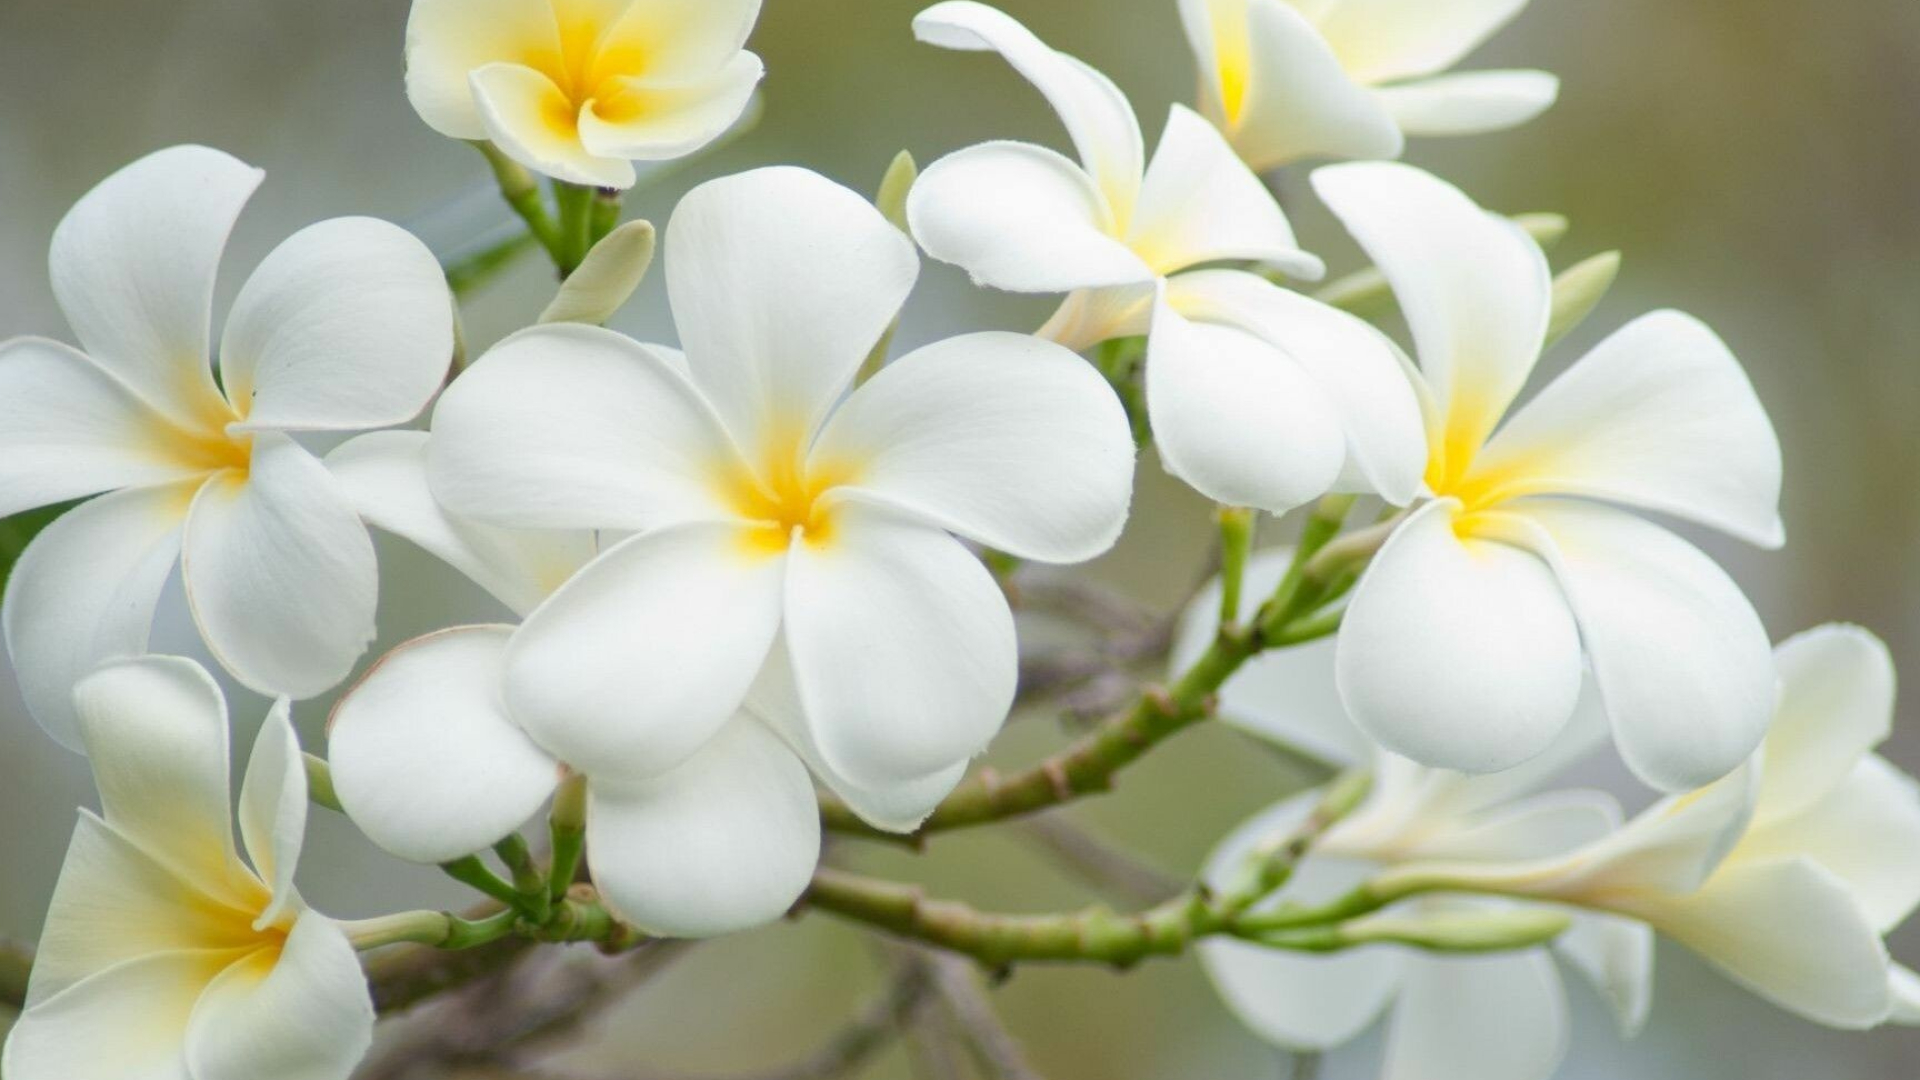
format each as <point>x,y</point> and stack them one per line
<point>347,325</point>
<point>581,89</point>
<point>1293,79</point>
<point>1462,645</point>
<point>164,955</point>
<point>1494,1017</point>
<point>1786,874</point>
<point>772,517</point>
<point>1257,396</point>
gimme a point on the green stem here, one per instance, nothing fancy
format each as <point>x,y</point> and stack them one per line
<point>1237,526</point>
<point>320,789</point>
<point>483,266</point>
<point>576,225</point>
<point>528,879</point>
<point>567,825</point>
<point>522,192</point>
<point>1297,594</point>
<point>472,872</point>
<point>604,216</point>
<point>1272,865</point>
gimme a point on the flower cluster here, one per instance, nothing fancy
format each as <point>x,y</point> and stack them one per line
<point>765,580</point>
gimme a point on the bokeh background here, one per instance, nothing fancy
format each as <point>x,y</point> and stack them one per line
<point>1758,161</point>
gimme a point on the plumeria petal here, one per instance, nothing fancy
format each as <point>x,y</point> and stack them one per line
<point>647,652</point>
<point>1004,438</point>
<point>1458,653</point>
<point>133,267</point>
<point>69,429</point>
<point>150,1000</point>
<point>903,647</point>
<point>280,572</point>
<point>1471,102</point>
<point>273,810</point>
<point>726,841</point>
<point>425,757</point>
<point>683,39</point>
<point>1501,1017</point>
<point>648,121</point>
<point>385,475</point>
<point>1905,988</point>
<point>1536,828</point>
<point>85,590</point>
<point>1088,317</point>
<point>522,110</point>
<point>781,282</point>
<point>1658,416</point>
<point>1873,811</point>
<point>1836,705</point>
<point>447,40</point>
<point>1097,115</point>
<point>301,1012</point>
<point>346,325</point>
<point>1616,956</point>
<point>1199,203</point>
<point>1385,40</point>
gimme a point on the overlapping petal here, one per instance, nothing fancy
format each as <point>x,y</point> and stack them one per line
<point>1616,956</point>
<point>273,811</point>
<point>647,120</point>
<point>1387,40</point>
<point>1199,203</point>
<point>150,998</point>
<point>680,40</point>
<point>1853,833</point>
<point>522,108</point>
<point>1836,705</point>
<point>1471,102</point>
<point>300,1012</point>
<point>447,40</point>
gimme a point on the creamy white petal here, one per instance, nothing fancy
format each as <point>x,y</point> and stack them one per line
<point>647,121</point>
<point>1382,40</point>
<point>532,121</point>
<point>1905,987</point>
<point>346,325</point>
<point>1096,113</point>
<point>1004,438</point>
<point>781,282</point>
<point>1498,1017</point>
<point>575,427</point>
<point>273,810</point>
<point>69,429</point>
<point>447,40</point>
<point>1536,828</point>
<point>280,572</point>
<point>1237,418</point>
<point>301,1012</point>
<point>1359,369</point>
<point>1863,832</point>
<point>425,757</point>
<point>682,39</point>
<point>902,644</point>
<point>647,652</point>
<point>1088,317</point>
<point>85,590</point>
<point>1458,653</point>
<point>1475,287</point>
<point>1021,218</point>
<point>1791,933</point>
<point>1199,203</point>
<point>1471,102</point>
<point>726,841</point>
<point>1836,705</point>
<point>1616,956</point>
<point>1660,416</point>
<point>126,1023</point>
<point>133,267</point>
<point>1682,661</point>
<point>385,475</point>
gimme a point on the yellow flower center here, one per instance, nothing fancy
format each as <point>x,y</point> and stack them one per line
<point>786,495</point>
<point>591,68</point>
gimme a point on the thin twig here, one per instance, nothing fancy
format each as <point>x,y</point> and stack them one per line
<point>1097,862</point>
<point>958,984</point>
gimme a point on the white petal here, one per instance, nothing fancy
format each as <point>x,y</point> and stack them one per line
<point>1660,416</point>
<point>781,282</point>
<point>1906,996</point>
<point>385,475</point>
<point>1287,695</point>
<point>1359,369</point>
<point>1088,317</point>
<point>1470,103</point>
<point>575,427</point>
<point>1616,956</point>
<point>1682,661</point>
<point>126,1023</point>
<point>1004,438</point>
<point>297,1013</point>
<point>683,39</point>
<point>648,121</point>
<point>425,757</point>
<point>69,429</point>
<point>85,590</point>
<point>903,647</point>
<point>280,572</point>
<point>1021,218</point>
<point>1499,1017</point>
<point>1458,653</point>
<point>1791,933</point>
<point>133,268</point>
<point>1475,287</point>
<point>647,652</point>
<point>726,841</point>
<point>346,325</point>
<point>447,40</point>
<point>1201,204</point>
<point>533,122</point>
<point>1836,705</point>
<point>1096,113</point>
<point>1536,828</point>
<point>1237,418</point>
<point>273,810</point>
<point>1875,811</point>
<point>1383,40</point>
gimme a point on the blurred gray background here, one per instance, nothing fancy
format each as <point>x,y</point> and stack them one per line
<point>1757,160</point>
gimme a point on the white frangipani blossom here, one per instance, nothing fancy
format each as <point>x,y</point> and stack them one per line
<point>347,325</point>
<point>581,89</point>
<point>1463,643</point>
<point>1293,79</point>
<point>774,514</point>
<point>1786,874</point>
<point>165,956</point>
<point>1257,396</point>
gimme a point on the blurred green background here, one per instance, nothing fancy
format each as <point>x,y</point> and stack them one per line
<point>1757,160</point>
